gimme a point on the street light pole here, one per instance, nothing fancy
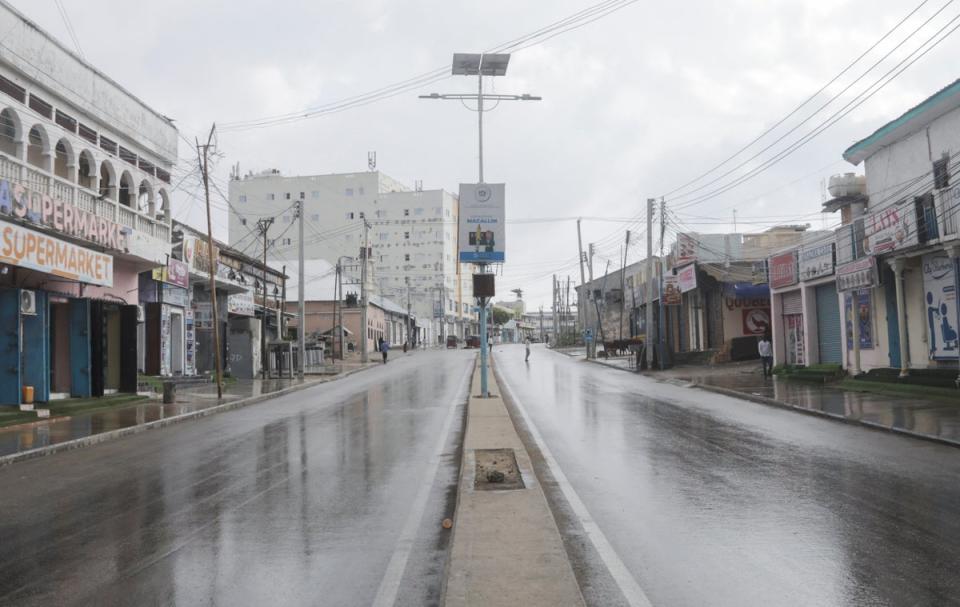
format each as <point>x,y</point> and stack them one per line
<point>480,65</point>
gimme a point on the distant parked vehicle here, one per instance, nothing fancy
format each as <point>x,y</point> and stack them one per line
<point>451,341</point>
<point>472,341</point>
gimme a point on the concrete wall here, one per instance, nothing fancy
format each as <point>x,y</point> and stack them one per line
<point>911,157</point>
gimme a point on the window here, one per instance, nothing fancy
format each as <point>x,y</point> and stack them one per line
<point>406,257</point>
<point>350,215</point>
<point>361,214</point>
<point>271,197</point>
<point>243,221</point>
<point>406,235</point>
<point>418,211</point>
<point>315,217</point>
<point>315,194</point>
<point>406,212</point>
<point>287,196</point>
<point>287,241</point>
<point>349,192</point>
<point>941,173</point>
<point>446,212</point>
<point>243,197</point>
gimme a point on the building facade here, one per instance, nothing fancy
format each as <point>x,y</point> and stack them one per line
<point>412,236</point>
<point>84,208</point>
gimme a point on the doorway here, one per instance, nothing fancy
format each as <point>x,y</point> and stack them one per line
<point>60,349</point>
<point>176,343</point>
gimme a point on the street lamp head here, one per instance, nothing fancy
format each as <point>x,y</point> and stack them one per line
<point>431,96</point>
<point>528,97</point>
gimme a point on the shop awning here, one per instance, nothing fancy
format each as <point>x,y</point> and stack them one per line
<point>746,290</point>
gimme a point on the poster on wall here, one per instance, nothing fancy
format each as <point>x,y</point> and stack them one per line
<point>190,335</point>
<point>865,313</point>
<point>241,303</point>
<point>203,315</point>
<point>686,249</point>
<point>940,306</point>
<point>793,324</point>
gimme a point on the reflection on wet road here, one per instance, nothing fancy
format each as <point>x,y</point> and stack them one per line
<point>709,500</point>
<point>309,499</point>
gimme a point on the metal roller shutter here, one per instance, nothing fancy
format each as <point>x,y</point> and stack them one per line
<point>792,303</point>
<point>828,324</point>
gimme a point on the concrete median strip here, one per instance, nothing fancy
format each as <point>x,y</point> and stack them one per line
<point>507,549</point>
<point>160,423</point>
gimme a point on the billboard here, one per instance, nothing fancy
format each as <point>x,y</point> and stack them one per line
<point>858,274</point>
<point>671,291</point>
<point>890,228</point>
<point>816,261</point>
<point>482,228</point>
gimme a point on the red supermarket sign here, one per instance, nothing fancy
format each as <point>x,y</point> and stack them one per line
<point>783,270</point>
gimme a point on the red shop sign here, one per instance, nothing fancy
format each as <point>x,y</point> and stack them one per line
<point>783,270</point>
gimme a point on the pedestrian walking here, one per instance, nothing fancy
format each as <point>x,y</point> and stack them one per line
<point>384,348</point>
<point>765,349</point>
<point>526,343</point>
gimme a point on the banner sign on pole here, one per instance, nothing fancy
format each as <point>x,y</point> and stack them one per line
<point>482,229</point>
<point>671,291</point>
<point>687,278</point>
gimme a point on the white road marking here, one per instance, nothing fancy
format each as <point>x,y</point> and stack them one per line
<point>390,584</point>
<point>631,590</point>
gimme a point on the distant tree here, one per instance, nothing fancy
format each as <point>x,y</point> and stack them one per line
<point>501,316</point>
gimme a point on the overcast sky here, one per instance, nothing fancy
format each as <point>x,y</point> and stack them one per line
<point>635,104</point>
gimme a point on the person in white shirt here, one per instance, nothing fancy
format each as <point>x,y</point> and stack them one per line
<point>526,342</point>
<point>765,349</point>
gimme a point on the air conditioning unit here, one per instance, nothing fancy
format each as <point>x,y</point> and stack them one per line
<point>28,302</point>
<point>140,313</point>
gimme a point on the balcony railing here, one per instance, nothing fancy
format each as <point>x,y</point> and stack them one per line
<point>40,181</point>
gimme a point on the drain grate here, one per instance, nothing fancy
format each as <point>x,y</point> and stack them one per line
<point>496,469</point>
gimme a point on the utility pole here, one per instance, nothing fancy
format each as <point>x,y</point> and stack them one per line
<point>623,286</point>
<point>661,332</point>
<point>541,324</point>
<point>263,225</point>
<point>581,312</point>
<point>302,320</point>
<point>409,331</point>
<point>203,159</point>
<point>648,342</point>
<point>364,354</point>
<point>592,346</point>
<point>336,315</point>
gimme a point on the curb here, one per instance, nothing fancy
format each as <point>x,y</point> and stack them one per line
<point>103,437</point>
<point>764,400</point>
<point>771,402</point>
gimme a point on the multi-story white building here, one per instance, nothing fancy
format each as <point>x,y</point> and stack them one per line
<point>412,236</point>
<point>84,208</point>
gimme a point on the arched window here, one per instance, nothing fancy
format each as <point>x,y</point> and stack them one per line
<point>86,175</point>
<point>10,132</point>
<point>63,159</point>
<point>164,212</point>
<point>145,198</point>
<point>126,193</point>
<point>38,145</point>
<point>108,186</point>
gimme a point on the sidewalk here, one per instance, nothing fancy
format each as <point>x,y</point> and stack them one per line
<point>507,549</point>
<point>930,419</point>
<point>47,436</point>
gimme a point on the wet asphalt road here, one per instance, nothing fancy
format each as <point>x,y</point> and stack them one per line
<point>329,496</point>
<point>708,500</point>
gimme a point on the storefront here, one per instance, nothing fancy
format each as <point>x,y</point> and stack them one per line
<point>164,297</point>
<point>789,344</point>
<point>69,288</point>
